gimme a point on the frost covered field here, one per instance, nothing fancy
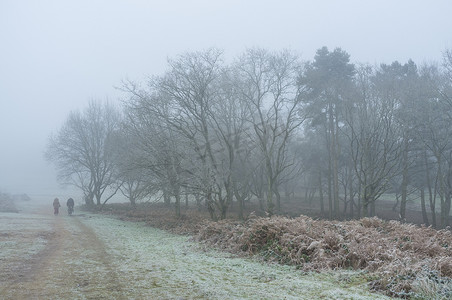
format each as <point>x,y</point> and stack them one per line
<point>22,237</point>
<point>100,257</point>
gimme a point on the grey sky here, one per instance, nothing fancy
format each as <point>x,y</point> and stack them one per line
<point>57,55</point>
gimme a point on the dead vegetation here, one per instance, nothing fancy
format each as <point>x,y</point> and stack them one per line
<point>401,260</point>
<point>396,254</point>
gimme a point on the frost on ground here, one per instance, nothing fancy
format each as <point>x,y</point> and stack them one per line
<point>99,257</point>
<point>159,265</point>
<point>21,238</point>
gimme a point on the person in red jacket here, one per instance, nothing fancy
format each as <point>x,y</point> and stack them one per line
<point>56,206</point>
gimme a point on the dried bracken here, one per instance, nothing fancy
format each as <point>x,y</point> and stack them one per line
<point>396,253</point>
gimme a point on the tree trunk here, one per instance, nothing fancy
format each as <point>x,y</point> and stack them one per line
<point>270,205</point>
<point>240,201</point>
<point>322,208</point>
<point>261,200</point>
<point>404,187</point>
<point>210,208</point>
<point>198,202</point>
<point>431,197</point>
<point>352,206</point>
<point>372,208</point>
<point>225,203</point>
<point>441,193</point>
<point>223,212</point>
<point>432,203</point>
<point>98,200</point>
<point>403,198</point>
<point>447,208</point>
<point>287,193</point>
<point>330,146</point>
<point>335,166</point>
<point>424,211</point>
<point>367,202</point>
<point>365,209</point>
<point>448,197</point>
<point>166,198</point>
<point>352,202</point>
<point>344,213</point>
<point>359,200</point>
<point>241,208</point>
<point>177,204</point>
<point>311,196</point>
<point>89,199</point>
<point>330,195</point>
<point>278,199</point>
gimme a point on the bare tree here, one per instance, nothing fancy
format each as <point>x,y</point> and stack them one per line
<point>79,150</point>
<point>156,152</point>
<point>225,132</point>
<point>401,85</point>
<point>446,88</point>
<point>183,100</point>
<point>229,115</point>
<point>133,182</point>
<point>374,142</point>
<point>433,137</point>
<point>269,87</point>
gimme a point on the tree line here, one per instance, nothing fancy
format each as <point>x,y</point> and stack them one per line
<point>268,127</point>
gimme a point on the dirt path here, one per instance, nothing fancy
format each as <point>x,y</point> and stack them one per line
<point>99,257</point>
<point>72,264</point>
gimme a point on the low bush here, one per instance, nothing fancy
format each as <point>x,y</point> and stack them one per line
<point>401,255</point>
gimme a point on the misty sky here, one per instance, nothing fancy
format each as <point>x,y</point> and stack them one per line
<point>55,56</point>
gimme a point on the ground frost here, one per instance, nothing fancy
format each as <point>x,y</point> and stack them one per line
<point>31,228</point>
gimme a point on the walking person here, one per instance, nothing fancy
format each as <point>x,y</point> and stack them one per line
<point>56,206</point>
<point>70,206</point>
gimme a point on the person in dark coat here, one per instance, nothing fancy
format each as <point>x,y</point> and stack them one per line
<point>56,206</point>
<point>70,205</point>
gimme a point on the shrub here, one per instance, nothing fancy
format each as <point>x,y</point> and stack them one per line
<point>394,251</point>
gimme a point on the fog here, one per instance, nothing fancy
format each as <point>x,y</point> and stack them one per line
<point>56,56</point>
